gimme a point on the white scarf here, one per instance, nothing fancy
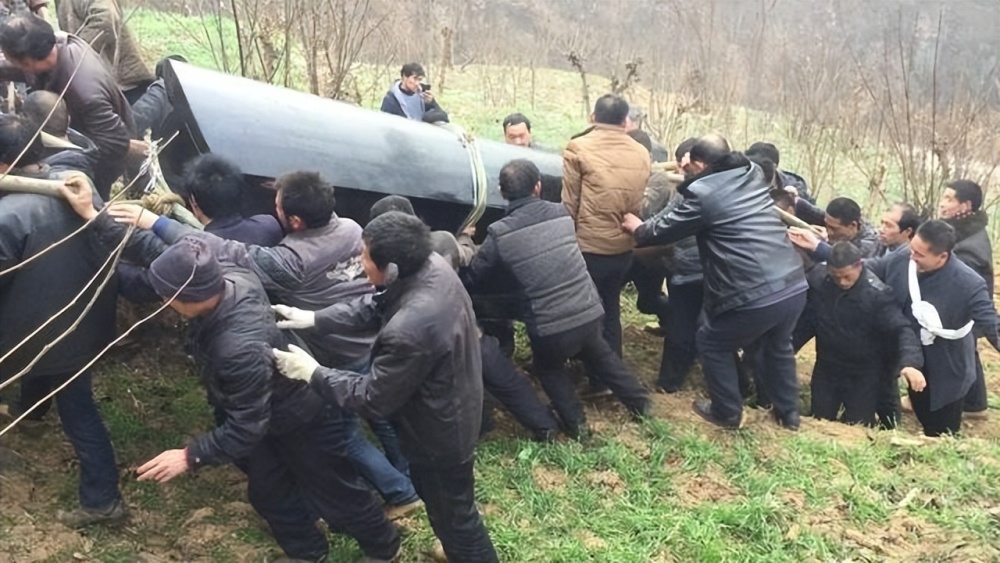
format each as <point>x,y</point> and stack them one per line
<point>927,315</point>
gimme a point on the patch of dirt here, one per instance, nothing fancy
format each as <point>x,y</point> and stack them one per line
<point>607,479</point>
<point>710,486</point>
<point>549,478</point>
<point>591,541</point>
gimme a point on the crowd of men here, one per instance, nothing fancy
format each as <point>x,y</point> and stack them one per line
<point>303,323</point>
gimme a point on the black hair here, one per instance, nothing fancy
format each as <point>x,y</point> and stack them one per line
<point>766,150</point>
<point>516,119</point>
<point>967,190</point>
<point>767,166</point>
<point>16,132</point>
<point>684,148</point>
<point>518,179</point>
<point>938,235</point>
<point>161,65</point>
<point>435,115</point>
<point>216,184</point>
<point>412,69</point>
<point>37,106</point>
<point>782,199</point>
<point>400,239</point>
<point>642,138</point>
<point>610,109</point>
<point>709,149</point>
<point>845,210</point>
<point>843,254</point>
<point>391,203</point>
<point>306,196</point>
<point>909,218</point>
<point>27,37</point>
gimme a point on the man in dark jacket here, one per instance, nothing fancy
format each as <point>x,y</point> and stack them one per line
<point>291,446</point>
<point>214,189</point>
<point>501,378</point>
<point>316,265</point>
<point>960,207</point>
<point>899,224</point>
<point>783,178</point>
<point>754,285</point>
<point>29,296</point>
<point>426,374</point>
<point>948,306</point>
<point>533,251</point>
<point>862,339</point>
<point>409,97</point>
<point>37,56</point>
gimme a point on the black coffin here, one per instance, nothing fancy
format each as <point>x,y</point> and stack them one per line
<point>269,131</point>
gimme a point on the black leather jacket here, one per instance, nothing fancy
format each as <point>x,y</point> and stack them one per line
<point>426,373</point>
<point>744,249</point>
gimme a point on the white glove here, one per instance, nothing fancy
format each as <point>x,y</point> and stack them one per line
<point>294,318</point>
<point>296,363</point>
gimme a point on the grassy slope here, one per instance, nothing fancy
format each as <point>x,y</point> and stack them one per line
<point>668,490</point>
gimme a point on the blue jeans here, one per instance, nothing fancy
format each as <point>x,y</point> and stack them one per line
<point>82,424</point>
<point>394,487</point>
<point>389,473</point>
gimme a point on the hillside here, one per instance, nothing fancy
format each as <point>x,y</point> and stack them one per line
<point>671,489</point>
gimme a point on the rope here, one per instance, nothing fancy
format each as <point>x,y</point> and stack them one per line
<point>98,356</point>
<point>158,203</point>
<point>154,151</point>
<point>480,181</point>
<point>112,259</point>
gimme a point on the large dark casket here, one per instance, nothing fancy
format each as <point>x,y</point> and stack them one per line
<point>269,131</point>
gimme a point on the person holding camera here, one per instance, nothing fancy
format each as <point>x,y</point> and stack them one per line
<point>409,96</point>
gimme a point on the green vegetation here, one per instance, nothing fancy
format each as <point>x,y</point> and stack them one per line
<point>670,489</point>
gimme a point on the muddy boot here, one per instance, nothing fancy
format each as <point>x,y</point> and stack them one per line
<point>83,517</point>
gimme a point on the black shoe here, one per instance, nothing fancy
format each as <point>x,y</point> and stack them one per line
<point>788,421</point>
<point>668,389</point>
<point>703,408</point>
<point>83,517</point>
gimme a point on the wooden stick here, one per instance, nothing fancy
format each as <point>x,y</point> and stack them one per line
<point>20,184</point>
<point>793,221</point>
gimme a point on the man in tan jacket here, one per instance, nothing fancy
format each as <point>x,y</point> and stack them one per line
<point>604,175</point>
<point>102,24</point>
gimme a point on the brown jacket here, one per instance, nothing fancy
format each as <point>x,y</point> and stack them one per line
<point>101,21</point>
<point>604,176</point>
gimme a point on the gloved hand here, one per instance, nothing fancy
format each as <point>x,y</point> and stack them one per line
<point>294,318</point>
<point>296,363</point>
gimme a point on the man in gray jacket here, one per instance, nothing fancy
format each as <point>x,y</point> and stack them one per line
<point>534,251</point>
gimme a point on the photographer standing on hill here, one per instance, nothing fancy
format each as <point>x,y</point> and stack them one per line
<point>409,97</point>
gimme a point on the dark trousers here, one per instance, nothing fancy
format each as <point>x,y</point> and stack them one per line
<point>648,283</point>
<point>295,476</point>
<point>855,390</point>
<point>887,408</point>
<point>609,273</point>
<point>449,496</point>
<point>513,390</point>
<point>769,329</point>
<point>945,420</point>
<point>132,95</point>
<point>679,349</point>
<point>82,424</point>
<point>503,331</point>
<point>975,399</point>
<point>549,356</point>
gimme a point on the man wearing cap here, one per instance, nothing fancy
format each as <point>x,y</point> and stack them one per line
<point>859,330</point>
<point>290,445</point>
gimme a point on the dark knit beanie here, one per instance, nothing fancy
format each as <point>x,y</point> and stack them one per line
<point>172,268</point>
